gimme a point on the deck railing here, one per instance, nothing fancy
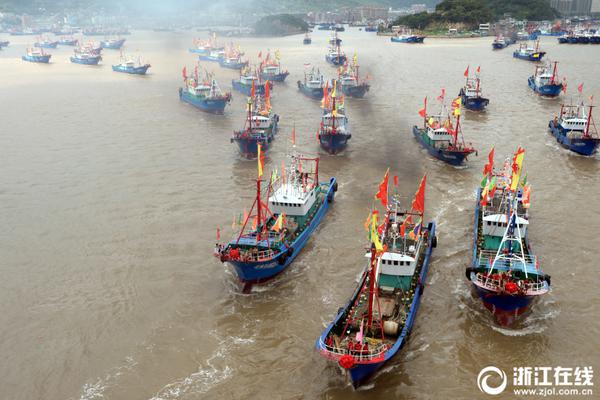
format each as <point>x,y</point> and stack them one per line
<point>486,258</point>
<point>359,355</point>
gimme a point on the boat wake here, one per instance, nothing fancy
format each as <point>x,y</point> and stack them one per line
<point>95,391</point>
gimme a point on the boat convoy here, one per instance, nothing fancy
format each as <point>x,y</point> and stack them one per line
<point>289,204</point>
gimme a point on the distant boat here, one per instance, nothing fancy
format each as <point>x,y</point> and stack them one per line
<point>575,130</point>
<point>215,55</point>
<point>204,94</point>
<point>371,28</point>
<point>270,69</point>
<point>114,44</point>
<point>89,48</point>
<point>130,66</point>
<point>471,93</point>
<point>529,53</point>
<point>247,79</point>
<point>406,36</point>
<point>46,44</point>
<point>339,28</point>
<point>501,42</point>
<point>334,40</point>
<point>36,56</point>
<point>86,58</point>
<point>274,232</point>
<point>233,62</point>
<point>349,80</point>
<point>204,47</point>
<point>439,134</point>
<point>4,43</point>
<point>334,130</point>
<point>505,273</point>
<point>68,42</point>
<point>307,39</point>
<point>325,26</point>
<point>545,82</point>
<point>375,324</point>
<point>335,55</point>
<point>313,83</point>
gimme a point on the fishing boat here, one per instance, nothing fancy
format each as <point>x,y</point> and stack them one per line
<point>501,42</point>
<point>89,48</point>
<point>68,41</point>
<point>505,273</point>
<point>201,47</point>
<point>232,59</point>
<point>131,66</point>
<point>374,325</point>
<point>46,44</point>
<point>371,28</point>
<point>334,40</point>
<point>86,58</point>
<point>439,134</point>
<point>36,55</point>
<point>204,94</point>
<point>406,36</point>
<point>325,26</point>
<point>575,129</point>
<point>4,43</point>
<point>247,79</point>
<point>471,93</point>
<point>349,81</point>
<point>335,55</point>
<point>544,81</point>
<point>270,69</point>
<point>529,53</point>
<point>334,130</point>
<point>214,55</point>
<point>274,232</point>
<point>307,39</point>
<point>339,28</point>
<point>313,84</point>
<point>114,44</point>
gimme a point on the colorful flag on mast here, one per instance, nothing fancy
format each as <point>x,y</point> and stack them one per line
<point>423,111</point>
<point>374,234</point>
<point>580,88</point>
<point>261,160</point>
<point>466,74</point>
<point>418,203</point>
<point>382,194</point>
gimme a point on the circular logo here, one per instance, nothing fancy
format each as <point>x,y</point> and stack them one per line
<point>483,377</point>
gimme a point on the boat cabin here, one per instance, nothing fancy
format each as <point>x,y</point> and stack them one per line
<point>261,122</point>
<point>340,120</point>
<point>348,80</point>
<point>494,226</point>
<point>314,84</point>
<point>396,270</point>
<point>247,79</point>
<point>439,137</point>
<point>573,123</point>
<point>271,70</point>
<point>292,200</point>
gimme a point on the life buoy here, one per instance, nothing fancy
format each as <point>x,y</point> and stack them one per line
<point>468,271</point>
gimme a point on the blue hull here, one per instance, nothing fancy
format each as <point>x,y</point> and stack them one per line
<point>211,106</point>
<point>262,271</point>
<point>46,45</point>
<point>68,42</point>
<point>341,60</point>
<point>88,61</point>
<point>360,373</point>
<point>307,41</point>
<point>474,103</point>
<point>37,59</point>
<point>209,58</point>
<point>274,78</point>
<point>249,146</point>
<point>545,90</point>
<point>499,46</point>
<point>583,146</point>
<point>411,39</point>
<point>238,66</point>
<point>355,91</point>
<point>198,51</point>
<point>334,144</point>
<point>247,89</point>
<point>450,157</point>
<point>312,93</point>
<point>114,46</point>
<point>135,70</point>
<point>529,57</point>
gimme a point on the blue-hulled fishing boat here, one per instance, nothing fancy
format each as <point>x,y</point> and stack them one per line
<point>334,40</point>
<point>335,55</point>
<point>232,59</point>
<point>407,38</point>
<point>4,43</point>
<point>205,95</point>
<point>247,80</point>
<point>529,53</point>
<point>36,56</point>
<point>274,232</point>
<point>86,58</point>
<point>349,81</point>
<point>376,322</point>
<point>214,55</point>
<point>130,66</point>
<point>90,47</point>
<point>307,39</point>
<point>334,130</point>
<point>501,42</point>
<point>114,44</point>
<point>545,81</point>
<point>575,130</point>
<point>46,44</point>
<point>68,41</point>
<point>439,134</point>
<point>271,69</point>
<point>505,273</point>
<point>313,84</point>
<point>471,93</point>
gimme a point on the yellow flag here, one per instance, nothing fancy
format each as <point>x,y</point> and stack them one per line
<point>375,234</point>
<point>279,222</point>
<point>260,161</point>
<point>355,58</point>
<point>517,166</point>
<point>333,93</point>
<point>457,112</point>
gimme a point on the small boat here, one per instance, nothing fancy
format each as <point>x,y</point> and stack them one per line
<point>233,62</point>
<point>312,85</point>
<point>521,36</point>
<point>439,134</point>
<point>545,81</point>
<point>375,324</point>
<point>500,42</point>
<point>471,93</point>
<point>335,55</point>
<point>215,55</point>
<point>307,39</point>
<point>4,43</point>
<point>325,26</point>
<point>406,36</point>
<point>36,56</point>
<point>205,95</point>
<point>46,44</point>
<point>68,41</point>
<point>529,53</point>
<point>275,231</point>
<point>505,273</point>
<point>371,28</point>
<point>334,130</point>
<point>575,130</point>
<point>89,48</point>
<point>260,126</point>
<point>130,66</point>
<point>349,82</point>
<point>247,80</point>
<point>339,28</point>
<point>114,44</point>
<point>334,40</point>
<point>202,48</point>
<point>271,69</point>
<point>86,58</point>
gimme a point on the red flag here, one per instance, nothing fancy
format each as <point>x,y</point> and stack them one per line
<point>184,73</point>
<point>260,54</point>
<point>443,95</point>
<point>580,88</point>
<point>423,111</point>
<point>564,89</point>
<point>382,194</point>
<point>218,234</point>
<point>489,167</point>
<point>253,89</point>
<point>479,69</point>
<point>396,180</point>
<point>294,135</point>
<point>418,203</point>
<point>466,74</point>
<point>267,89</point>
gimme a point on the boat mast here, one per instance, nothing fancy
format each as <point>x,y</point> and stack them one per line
<point>553,73</point>
<point>371,286</point>
<point>589,119</point>
<point>258,210</point>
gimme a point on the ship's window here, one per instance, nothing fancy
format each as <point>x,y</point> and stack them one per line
<point>395,262</point>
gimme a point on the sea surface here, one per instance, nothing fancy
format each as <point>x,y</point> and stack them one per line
<point>111,191</point>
